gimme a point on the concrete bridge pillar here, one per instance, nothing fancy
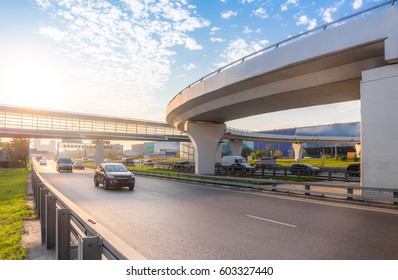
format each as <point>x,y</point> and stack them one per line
<point>99,152</point>
<point>236,147</point>
<point>379,134</point>
<point>298,151</point>
<point>205,138</point>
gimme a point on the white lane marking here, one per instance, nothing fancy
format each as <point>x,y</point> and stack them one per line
<point>271,221</point>
<point>158,193</point>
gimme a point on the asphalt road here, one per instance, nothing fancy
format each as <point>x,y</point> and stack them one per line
<point>166,219</point>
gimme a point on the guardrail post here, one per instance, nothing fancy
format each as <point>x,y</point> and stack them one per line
<point>34,187</point>
<point>346,176</point>
<point>62,235</point>
<point>50,221</point>
<point>43,193</point>
<point>395,196</point>
<point>307,188</point>
<point>37,195</point>
<point>90,248</point>
<point>350,191</point>
<point>330,175</point>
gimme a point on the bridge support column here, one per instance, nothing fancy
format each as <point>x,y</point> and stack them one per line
<point>379,135</point>
<point>236,147</point>
<point>99,152</point>
<point>298,151</point>
<point>205,138</point>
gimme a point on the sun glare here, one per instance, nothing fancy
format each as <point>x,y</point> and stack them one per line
<point>31,81</point>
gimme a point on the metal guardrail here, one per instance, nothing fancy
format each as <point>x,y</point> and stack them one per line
<point>71,231</point>
<point>304,188</point>
<point>286,41</point>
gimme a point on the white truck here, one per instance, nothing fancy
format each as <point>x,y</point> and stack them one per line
<point>236,162</point>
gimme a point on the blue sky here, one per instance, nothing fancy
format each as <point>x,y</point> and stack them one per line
<point>129,58</point>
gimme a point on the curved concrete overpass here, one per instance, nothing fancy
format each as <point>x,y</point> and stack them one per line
<point>351,61</point>
<point>320,69</point>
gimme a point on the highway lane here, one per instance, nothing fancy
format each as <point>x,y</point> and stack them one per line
<point>165,219</point>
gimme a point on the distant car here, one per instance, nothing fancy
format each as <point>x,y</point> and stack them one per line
<point>354,169</point>
<point>43,162</point>
<point>78,165</point>
<point>64,163</point>
<point>130,162</point>
<point>114,175</point>
<point>304,169</point>
<point>184,165</point>
<point>149,162</point>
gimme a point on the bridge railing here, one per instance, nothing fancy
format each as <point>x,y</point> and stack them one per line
<point>44,120</point>
<point>285,42</point>
<point>72,232</point>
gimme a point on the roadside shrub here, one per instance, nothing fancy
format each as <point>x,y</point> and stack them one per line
<point>356,158</point>
<point>343,158</point>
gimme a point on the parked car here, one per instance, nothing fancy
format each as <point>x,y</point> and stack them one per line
<point>114,175</point>
<point>43,162</point>
<point>78,165</point>
<point>129,161</point>
<point>354,169</point>
<point>304,169</point>
<point>64,163</point>
<point>149,162</point>
<point>184,165</point>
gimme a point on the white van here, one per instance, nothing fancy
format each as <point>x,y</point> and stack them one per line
<point>237,162</point>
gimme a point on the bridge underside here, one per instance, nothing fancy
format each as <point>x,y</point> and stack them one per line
<point>322,80</point>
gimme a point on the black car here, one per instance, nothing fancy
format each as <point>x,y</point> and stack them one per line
<point>354,169</point>
<point>114,175</point>
<point>304,169</point>
<point>78,165</point>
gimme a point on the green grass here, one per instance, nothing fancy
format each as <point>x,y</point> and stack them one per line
<point>319,162</point>
<point>13,212</point>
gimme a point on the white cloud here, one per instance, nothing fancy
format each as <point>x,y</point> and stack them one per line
<point>124,48</point>
<point>327,12</point>
<point>285,6</point>
<point>191,44</point>
<point>228,14</point>
<point>189,66</point>
<point>357,4</point>
<point>217,39</point>
<point>53,33</point>
<point>304,20</point>
<point>213,30</point>
<point>239,48</point>
<point>261,13</point>
<point>247,30</point>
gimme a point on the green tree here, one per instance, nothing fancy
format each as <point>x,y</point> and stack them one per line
<point>260,154</point>
<point>278,154</point>
<point>246,151</point>
<point>20,149</point>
